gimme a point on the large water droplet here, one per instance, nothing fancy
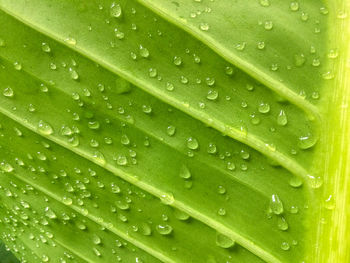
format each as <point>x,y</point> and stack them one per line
<point>44,128</point>
<point>224,241</point>
<point>115,10</point>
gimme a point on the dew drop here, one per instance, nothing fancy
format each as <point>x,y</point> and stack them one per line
<point>268,25</point>
<point>8,92</point>
<point>192,143</point>
<point>177,61</point>
<point>224,241</point>
<point>45,47</point>
<point>294,6</point>
<point>164,229</point>
<point>73,74</point>
<point>204,26</point>
<point>170,130</point>
<point>44,128</point>
<point>264,107</point>
<point>167,198</point>
<point>285,246</point>
<point>212,95</point>
<point>185,172</point>
<point>115,10</point>
<point>6,167</point>
<point>282,223</point>
<point>282,118</point>
<point>212,148</point>
<point>276,205</point>
<point>143,52</point>
<point>306,141</point>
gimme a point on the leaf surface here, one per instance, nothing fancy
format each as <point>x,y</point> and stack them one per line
<point>160,131</point>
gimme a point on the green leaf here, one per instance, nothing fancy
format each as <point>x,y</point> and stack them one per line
<point>6,256</point>
<point>174,131</point>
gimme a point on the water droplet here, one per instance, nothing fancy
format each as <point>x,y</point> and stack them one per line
<point>185,172</point>
<point>115,10</point>
<point>94,125</point>
<point>224,241</point>
<point>204,26</point>
<point>6,167</point>
<point>222,211</point>
<point>170,130</point>
<point>73,74</point>
<point>143,52</point>
<point>147,109</point>
<point>167,198</point>
<point>71,41</point>
<point>49,213</point>
<point>44,128</point>
<point>125,139</point>
<point>169,86</point>
<point>212,148</point>
<point>67,201</point>
<point>268,25</point>
<point>264,107</point>
<point>152,72</point>
<point>177,61</point>
<point>282,223</point>
<point>164,229</point>
<point>294,6</point>
<point>285,246</point>
<point>45,47</point>
<point>276,205</point>
<point>192,143</point>
<point>231,166</point>
<point>122,160</point>
<point>8,92</point>
<point>307,141</point>
<point>261,45</point>
<point>282,118</point>
<point>295,181</point>
<point>229,70</point>
<point>212,95</point>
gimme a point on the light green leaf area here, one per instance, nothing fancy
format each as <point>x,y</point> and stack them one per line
<point>173,131</point>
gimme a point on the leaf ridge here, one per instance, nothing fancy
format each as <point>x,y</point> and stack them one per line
<point>249,68</point>
<point>234,133</point>
<point>244,241</point>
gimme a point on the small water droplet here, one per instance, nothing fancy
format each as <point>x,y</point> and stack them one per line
<point>264,107</point>
<point>143,52</point>
<point>185,172</point>
<point>45,47</point>
<point>204,26</point>
<point>224,241</point>
<point>167,198</point>
<point>171,130</point>
<point>294,6</point>
<point>282,118</point>
<point>177,61</point>
<point>8,92</point>
<point>192,143</point>
<point>276,204</point>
